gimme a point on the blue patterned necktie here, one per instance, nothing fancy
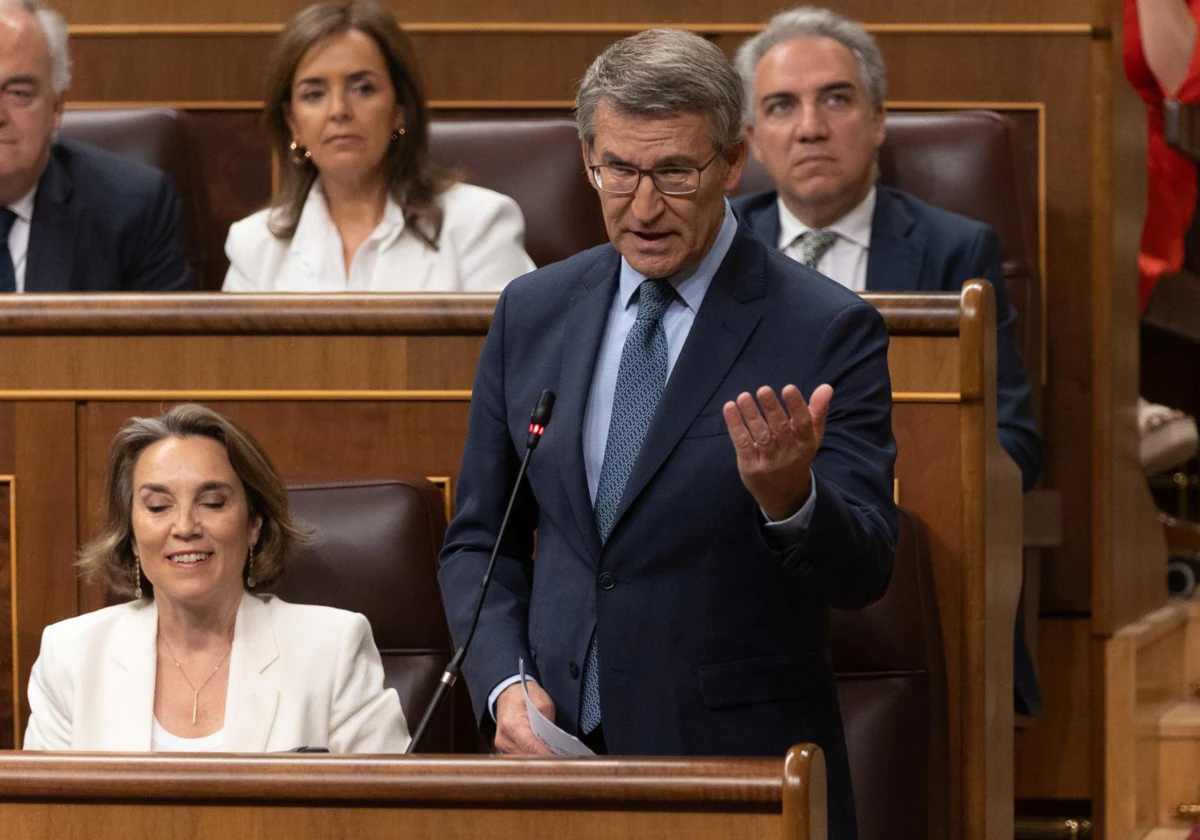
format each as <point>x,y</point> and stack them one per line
<point>8,272</point>
<point>640,380</point>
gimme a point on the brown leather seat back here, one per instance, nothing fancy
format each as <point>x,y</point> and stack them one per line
<point>966,162</point>
<point>537,162</point>
<point>892,688</point>
<point>374,551</point>
<point>158,137</point>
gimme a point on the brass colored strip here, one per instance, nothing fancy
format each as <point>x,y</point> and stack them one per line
<point>948,397</point>
<point>442,482</point>
<point>239,395</point>
<point>105,30</point>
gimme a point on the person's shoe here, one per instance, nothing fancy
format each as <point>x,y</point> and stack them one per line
<point>1168,437</point>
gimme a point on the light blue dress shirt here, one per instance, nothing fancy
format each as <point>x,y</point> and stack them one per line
<point>677,323</point>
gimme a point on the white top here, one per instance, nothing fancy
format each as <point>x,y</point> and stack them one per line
<point>163,741</point>
<point>299,675</point>
<point>846,260</point>
<point>481,248</point>
<point>18,235</point>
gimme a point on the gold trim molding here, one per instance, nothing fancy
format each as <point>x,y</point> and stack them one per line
<point>174,30</point>
<point>236,395</point>
<point>443,483</point>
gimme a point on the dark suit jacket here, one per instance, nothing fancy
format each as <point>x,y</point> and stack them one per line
<point>916,247</point>
<point>712,640</point>
<point>104,223</point>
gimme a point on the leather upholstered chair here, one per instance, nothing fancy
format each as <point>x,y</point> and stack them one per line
<point>966,162</point>
<point>374,551</point>
<point>158,137</point>
<point>891,684</point>
<point>537,162</point>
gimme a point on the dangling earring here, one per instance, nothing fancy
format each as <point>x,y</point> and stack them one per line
<point>137,571</point>
<point>298,158</point>
<point>250,568</point>
<point>397,134</point>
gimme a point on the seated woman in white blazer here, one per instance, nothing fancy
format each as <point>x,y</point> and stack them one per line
<point>197,662</point>
<point>360,207</point>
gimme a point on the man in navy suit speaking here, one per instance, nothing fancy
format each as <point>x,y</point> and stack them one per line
<point>718,470</point>
<point>815,86</point>
<point>73,218</point>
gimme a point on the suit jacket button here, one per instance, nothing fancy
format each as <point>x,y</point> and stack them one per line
<point>607,581</point>
<point>574,669</point>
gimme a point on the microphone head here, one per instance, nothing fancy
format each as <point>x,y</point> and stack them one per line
<point>544,408</point>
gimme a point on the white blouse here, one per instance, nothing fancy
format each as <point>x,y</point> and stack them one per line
<point>481,248</point>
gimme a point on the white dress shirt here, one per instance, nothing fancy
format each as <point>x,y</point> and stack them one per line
<point>18,236</point>
<point>846,260</point>
<point>481,248</point>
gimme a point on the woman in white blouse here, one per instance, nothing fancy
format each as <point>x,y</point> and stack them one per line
<point>360,206</point>
<point>198,661</point>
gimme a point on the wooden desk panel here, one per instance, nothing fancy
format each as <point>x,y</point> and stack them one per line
<point>47,796</point>
<point>350,386</point>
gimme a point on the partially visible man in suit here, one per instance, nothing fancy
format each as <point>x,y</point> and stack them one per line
<point>815,88</point>
<point>73,218</point>
<point>695,515</point>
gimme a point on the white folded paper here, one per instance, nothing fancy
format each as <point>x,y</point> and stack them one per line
<point>559,742</point>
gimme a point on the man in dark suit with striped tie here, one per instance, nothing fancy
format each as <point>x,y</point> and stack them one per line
<point>718,471</point>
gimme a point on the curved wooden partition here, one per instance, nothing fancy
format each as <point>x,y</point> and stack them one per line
<point>361,387</point>
<point>45,796</point>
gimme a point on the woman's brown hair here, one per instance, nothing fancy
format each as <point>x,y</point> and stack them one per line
<point>111,554</point>
<point>413,180</point>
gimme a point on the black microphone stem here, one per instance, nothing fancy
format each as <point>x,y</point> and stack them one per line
<point>541,417</point>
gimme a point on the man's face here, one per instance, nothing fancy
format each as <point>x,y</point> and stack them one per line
<point>660,234</point>
<point>30,111</point>
<point>815,129</point>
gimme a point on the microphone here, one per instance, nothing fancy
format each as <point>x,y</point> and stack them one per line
<point>537,427</point>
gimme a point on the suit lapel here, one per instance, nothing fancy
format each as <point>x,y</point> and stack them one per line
<point>764,221</point>
<point>896,255</point>
<point>583,331</point>
<point>253,696</point>
<point>127,694</point>
<point>722,327</point>
<point>52,232</point>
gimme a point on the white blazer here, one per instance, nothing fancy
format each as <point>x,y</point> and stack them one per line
<point>481,249</point>
<point>298,676</point>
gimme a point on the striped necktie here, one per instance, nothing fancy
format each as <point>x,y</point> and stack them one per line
<point>640,379</point>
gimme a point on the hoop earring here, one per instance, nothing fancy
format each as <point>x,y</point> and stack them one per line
<point>137,571</point>
<point>397,134</point>
<point>299,153</point>
<point>250,581</point>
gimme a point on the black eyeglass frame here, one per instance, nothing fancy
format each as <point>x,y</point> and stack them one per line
<point>653,173</point>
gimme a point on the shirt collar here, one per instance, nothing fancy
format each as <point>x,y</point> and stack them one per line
<point>854,226</point>
<point>23,206</point>
<point>691,286</point>
<point>316,213</point>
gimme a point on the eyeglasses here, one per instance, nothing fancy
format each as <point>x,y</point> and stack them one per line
<point>668,180</point>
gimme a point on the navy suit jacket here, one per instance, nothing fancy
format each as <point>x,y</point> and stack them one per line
<point>712,640</point>
<point>104,223</point>
<point>917,247</point>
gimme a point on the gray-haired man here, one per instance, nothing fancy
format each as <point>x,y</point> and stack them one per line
<point>815,88</point>
<point>72,217</point>
<point>695,515</point>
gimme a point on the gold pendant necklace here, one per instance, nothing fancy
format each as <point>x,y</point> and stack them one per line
<point>195,691</point>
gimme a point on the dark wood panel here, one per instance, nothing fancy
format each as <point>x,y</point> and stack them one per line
<point>45,522</point>
<point>8,710</point>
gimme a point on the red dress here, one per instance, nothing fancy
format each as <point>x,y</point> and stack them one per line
<point>1171,175</point>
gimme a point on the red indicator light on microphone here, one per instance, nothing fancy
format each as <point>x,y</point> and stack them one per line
<point>535,429</point>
